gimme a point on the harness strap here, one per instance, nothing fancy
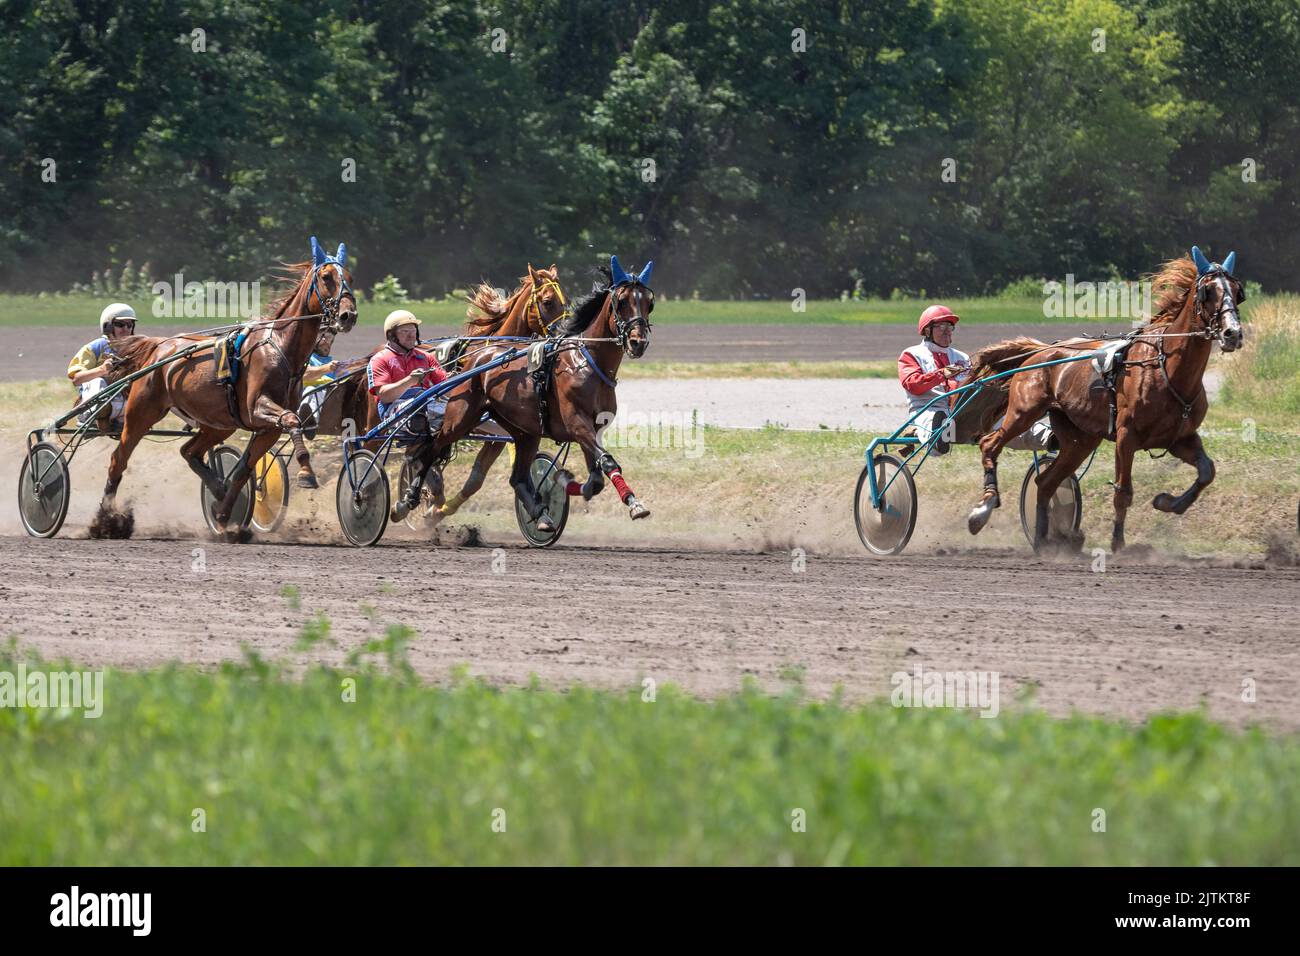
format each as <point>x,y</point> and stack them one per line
<point>596,368</point>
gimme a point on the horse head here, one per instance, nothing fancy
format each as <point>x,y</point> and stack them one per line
<point>1218,294</point>
<point>546,304</point>
<point>632,301</point>
<point>330,290</point>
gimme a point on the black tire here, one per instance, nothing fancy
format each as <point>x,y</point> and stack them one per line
<point>1067,503</point>
<point>886,530</point>
<point>362,502</point>
<point>270,493</point>
<point>545,475</point>
<point>223,460</point>
<point>44,490</point>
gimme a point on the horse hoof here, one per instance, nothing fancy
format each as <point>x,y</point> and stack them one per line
<point>637,510</point>
<point>544,523</point>
<point>980,514</point>
<point>307,479</point>
<point>1163,502</point>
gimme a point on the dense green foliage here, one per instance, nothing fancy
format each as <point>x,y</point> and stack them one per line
<point>290,772</point>
<point>487,134</point>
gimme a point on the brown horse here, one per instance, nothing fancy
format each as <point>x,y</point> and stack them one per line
<point>532,310</point>
<point>611,322</point>
<point>1159,397</point>
<point>269,384</point>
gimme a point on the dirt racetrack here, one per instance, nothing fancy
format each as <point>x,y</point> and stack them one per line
<point>1140,638</point>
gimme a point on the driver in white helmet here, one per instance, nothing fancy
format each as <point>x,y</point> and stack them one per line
<point>89,367</point>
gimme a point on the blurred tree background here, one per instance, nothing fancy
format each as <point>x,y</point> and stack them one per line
<point>750,146</point>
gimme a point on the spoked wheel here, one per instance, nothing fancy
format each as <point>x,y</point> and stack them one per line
<point>418,516</point>
<point>1064,514</point>
<point>223,460</point>
<point>362,500</point>
<point>886,529</point>
<point>44,489</point>
<point>270,493</point>
<point>545,474</point>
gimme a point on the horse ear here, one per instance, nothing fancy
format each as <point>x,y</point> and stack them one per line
<point>644,277</point>
<point>532,273</point>
<point>554,267</point>
<point>342,254</point>
<point>317,253</point>
<point>616,272</point>
<point>1230,263</point>
<point>1202,263</point>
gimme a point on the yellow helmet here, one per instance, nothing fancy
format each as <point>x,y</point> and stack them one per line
<point>398,318</point>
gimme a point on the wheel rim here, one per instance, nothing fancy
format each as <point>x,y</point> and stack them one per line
<point>362,502</point>
<point>223,460</point>
<point>1065,510</point>
<point>42,511</point>
<point>887,529</point>
<point>554,494</point>
<point>271,497</point>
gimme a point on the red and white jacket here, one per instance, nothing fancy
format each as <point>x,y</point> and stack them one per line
<point>920,372</point>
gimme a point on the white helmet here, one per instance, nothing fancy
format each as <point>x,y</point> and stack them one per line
<point>398,318</point>
<point>118,310</point>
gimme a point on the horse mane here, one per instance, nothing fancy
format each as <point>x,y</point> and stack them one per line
<point>289,275</point>
<point>1171,286</point>
<point>488,311</point>
<point>1004,355</point>
<point>587,307</point>
<point>130,354</point>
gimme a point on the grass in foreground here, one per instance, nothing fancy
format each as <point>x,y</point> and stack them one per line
<point>287,772</point>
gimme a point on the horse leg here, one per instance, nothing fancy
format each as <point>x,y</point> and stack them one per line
<point>483,462</point>
<point>1190,450</point>
<point>306,476</point>
<point>259,446</point>
<point>1075,447</point>
<point>1026,402</point>
<point>194,450</point>
<point>1125,448</point>
<point>615,473</point>
<point>131,435</point>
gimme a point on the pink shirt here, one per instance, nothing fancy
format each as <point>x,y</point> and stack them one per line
<point>388,366</point>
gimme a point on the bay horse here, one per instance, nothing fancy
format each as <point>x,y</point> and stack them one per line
<point>269,382</point>
<point>589,346</point>
<point>530,311</point>
<point>1159,396</point>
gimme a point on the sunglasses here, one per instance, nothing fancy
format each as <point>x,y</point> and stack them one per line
<point>128,324</point>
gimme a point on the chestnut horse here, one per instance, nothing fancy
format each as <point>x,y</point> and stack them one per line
<point>530,311</point>
<point>269,383</point>
<point>1159,394</point>
<point>611,322</point>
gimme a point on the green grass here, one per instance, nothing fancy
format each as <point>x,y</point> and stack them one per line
<point>286,772</point>
<point>81,310</point>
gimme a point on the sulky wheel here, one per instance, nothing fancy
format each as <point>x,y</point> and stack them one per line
<point>418,516</point>
<point>44,489</point>
<point>545,475</point>
<point>270,493</point>
<point>223,459</point>
<point>362,497</point>
<point>1066,510</point>
<point>886,529</point>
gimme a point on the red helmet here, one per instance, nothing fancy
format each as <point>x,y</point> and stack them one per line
<point>936,313</point>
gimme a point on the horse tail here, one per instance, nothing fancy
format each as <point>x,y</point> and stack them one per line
<point>131,354</point>
<point>1004,356</point>
<point>487,310</point>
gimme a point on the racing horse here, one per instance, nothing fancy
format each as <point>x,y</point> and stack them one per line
<point>530,311</point>
<point>1154,399</point>
<point>269,383</point>
<point>584,357</point>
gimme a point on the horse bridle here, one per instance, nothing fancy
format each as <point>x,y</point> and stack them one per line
<point>535,303</point>
<point>623,327</point>
<point>1214,327</point>
<point>330,307</point>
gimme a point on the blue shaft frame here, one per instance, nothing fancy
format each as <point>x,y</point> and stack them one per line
<point>967,393</point>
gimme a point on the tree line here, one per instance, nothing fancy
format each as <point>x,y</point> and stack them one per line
<point>750,146</point>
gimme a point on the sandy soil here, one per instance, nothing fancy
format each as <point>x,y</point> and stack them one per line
<point>1135,640</point>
